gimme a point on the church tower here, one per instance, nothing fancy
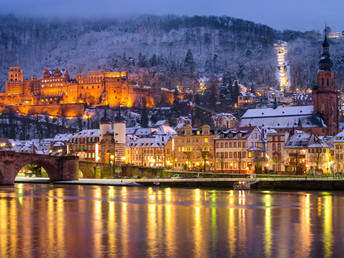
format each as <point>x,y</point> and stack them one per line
<point>325,94</point>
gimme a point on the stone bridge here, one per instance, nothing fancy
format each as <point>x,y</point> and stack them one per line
<point>63,168</point>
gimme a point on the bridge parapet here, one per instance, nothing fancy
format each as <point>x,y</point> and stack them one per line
<point>58,168</point>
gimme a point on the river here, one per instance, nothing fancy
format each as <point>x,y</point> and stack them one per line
<point>42,220</point>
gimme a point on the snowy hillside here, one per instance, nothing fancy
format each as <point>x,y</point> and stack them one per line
<point>154,49</point>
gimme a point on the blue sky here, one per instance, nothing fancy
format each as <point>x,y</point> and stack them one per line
<point>288,14</point>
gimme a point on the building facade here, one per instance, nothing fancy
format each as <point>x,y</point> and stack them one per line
<point>238,150</point>
<point>193,148</point>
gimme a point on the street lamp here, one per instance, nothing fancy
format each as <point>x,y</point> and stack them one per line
<point>112,158</point>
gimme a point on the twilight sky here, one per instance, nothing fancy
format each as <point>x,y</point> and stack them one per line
<point>287,14</point>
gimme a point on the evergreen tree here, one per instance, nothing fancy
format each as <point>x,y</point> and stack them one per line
<point>153,61</point>
<point>144,115</point>
<point>236,91</point>
<point>252,89</point>
<point>142,60</point>
<point>189,63</point>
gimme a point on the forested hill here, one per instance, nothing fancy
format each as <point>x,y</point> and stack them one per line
<point>154,49</point>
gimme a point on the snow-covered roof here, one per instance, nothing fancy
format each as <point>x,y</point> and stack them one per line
<point>62,137</point>
<point>145,131</point>
<point>298,140</point>
<point>224,116</point>
<point>151,142</point>
<point>160,122</point>
<point>86,133</point>
<point>236,133</point>
<point>278,112</point>
<point>339,137</point>
<point>165,129</point>
<point>282,117</point>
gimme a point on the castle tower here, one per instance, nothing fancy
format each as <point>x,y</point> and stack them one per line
<point>325,95</point>
<point>14,85</point>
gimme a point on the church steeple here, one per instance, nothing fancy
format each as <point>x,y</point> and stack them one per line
<point>325,62</point>
<point>325,96</point>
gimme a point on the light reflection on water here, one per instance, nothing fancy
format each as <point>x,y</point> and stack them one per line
<point>94,221</point>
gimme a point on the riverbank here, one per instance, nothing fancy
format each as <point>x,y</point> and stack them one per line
<point>322,183</point>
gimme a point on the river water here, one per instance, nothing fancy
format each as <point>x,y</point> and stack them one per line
<point>41,220</point>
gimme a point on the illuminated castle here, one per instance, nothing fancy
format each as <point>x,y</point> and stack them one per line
<point>57,88</point>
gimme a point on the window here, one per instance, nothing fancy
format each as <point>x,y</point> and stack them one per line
<point>239,144</point>
<point>250,154</point>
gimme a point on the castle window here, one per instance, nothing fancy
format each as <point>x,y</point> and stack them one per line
<point>327,82</point>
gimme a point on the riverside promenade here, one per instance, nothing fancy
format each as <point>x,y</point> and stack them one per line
<point>266,183</point>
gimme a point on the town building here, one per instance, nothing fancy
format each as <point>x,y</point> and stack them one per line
<point>338,152</point>
<point>302,99</point>
<point>275,150</point>
<point>224,120</point>
<point>307,153</point>
<point>285,118</point>
<point>275,95</point>
<point>193,148</point>
<point>239,150</point>
<point>151,151</point>
<point>85,144</point>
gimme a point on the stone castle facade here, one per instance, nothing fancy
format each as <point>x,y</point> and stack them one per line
<point>57,89</point>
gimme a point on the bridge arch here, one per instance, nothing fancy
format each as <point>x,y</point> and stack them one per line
<point>64,168</point>
<point>48,167</point>
<point>87,172</point>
